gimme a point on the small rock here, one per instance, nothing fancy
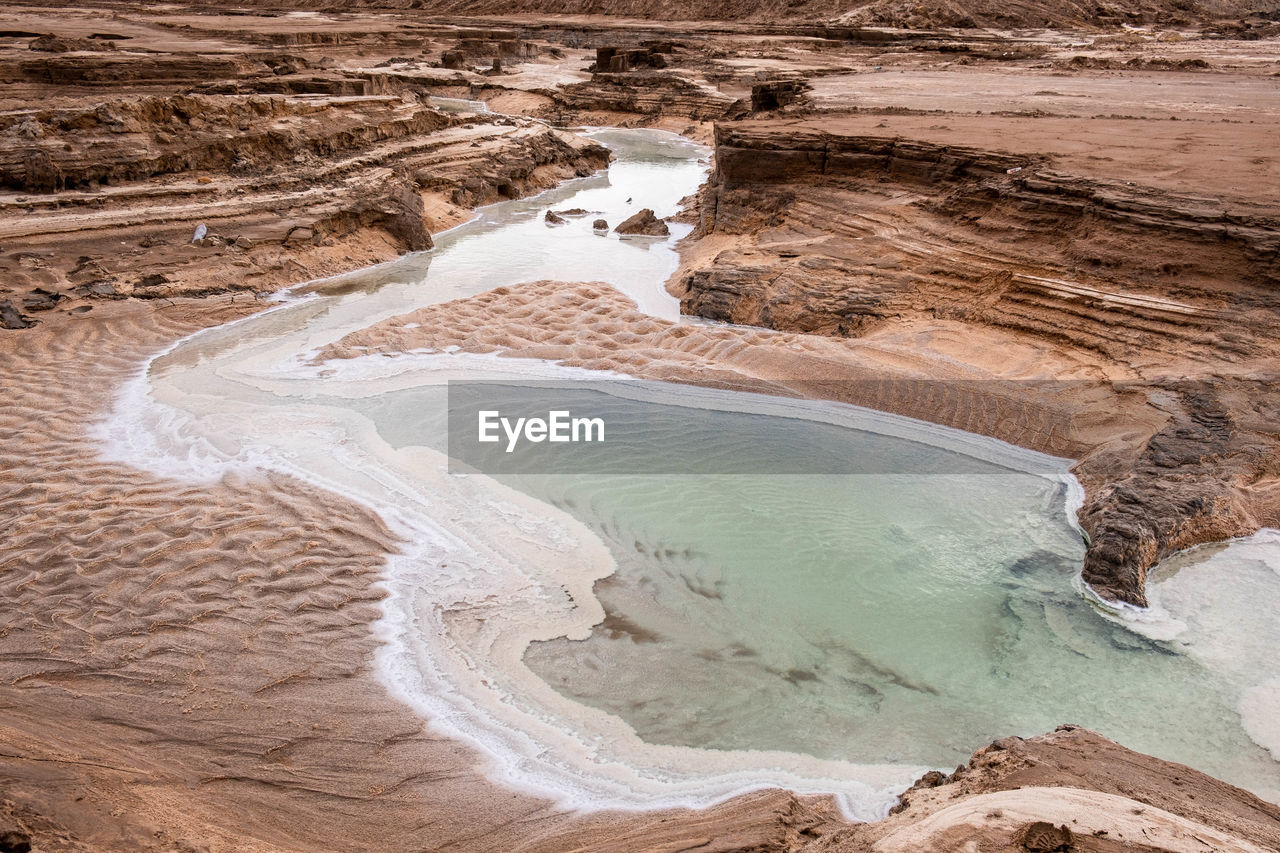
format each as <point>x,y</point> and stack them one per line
<point>41,300</point>
<point>96,288</point>
<point>12,841</point>
<point>10,318</point>
<point>573,211</point>
<point>645,223</point>
<point>600,225</point>
<point>243,243</point>
<point>932,779</point>
<point>1006,743</point>
<point>553,218</point>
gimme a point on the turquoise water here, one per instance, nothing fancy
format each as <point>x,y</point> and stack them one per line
<point>639,640</point>
<point>869,618</point>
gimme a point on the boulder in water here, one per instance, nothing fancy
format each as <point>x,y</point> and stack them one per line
<point>645,223</point>
<point>600,225</point>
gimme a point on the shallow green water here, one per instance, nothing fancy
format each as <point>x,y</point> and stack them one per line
<point>869,618</point>
<point>881,622</point>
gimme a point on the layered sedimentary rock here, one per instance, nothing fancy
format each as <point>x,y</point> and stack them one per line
<point>277,181</point>
<point>196,155</point>
<point>1032,13</point>
<point>1166,296</point>
<point>647,93</point>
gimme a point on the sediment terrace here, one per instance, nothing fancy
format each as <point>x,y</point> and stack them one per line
<point>299,155</point>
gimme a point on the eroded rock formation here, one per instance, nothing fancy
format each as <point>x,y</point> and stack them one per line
<point>1169,295</point>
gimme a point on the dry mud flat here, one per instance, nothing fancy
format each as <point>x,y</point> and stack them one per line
<point>188,668</point>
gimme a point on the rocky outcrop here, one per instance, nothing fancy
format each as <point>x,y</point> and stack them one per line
<point>289,185</point>
<point>745,155</point>
<point>644,223</point>
<point>776,94</point>
<point>11,318</point>
<point>397,210</point>
<point>1114,273</point>
<point>1069,790</point>
<point>648,93</point>
<point>136,139</point>
<point>58,44</point>
<point>1192,482</point>
<point>621,59</point>
<point>107,71</point>
<point>892,13</point>
<point>280,223</point>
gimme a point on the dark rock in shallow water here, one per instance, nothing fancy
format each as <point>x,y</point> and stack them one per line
<point>645,223</point>
<point>553,218</point>
<point>600,225</point>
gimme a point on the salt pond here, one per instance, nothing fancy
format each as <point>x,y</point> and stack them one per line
<point>646,639</point>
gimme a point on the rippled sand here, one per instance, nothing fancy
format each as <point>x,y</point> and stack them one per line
<point>189,667</point>
<point>936,374</point>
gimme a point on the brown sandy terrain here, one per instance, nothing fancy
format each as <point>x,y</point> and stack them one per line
<point>188,667</point>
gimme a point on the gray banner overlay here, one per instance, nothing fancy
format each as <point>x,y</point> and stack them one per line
<point>638,427</point>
